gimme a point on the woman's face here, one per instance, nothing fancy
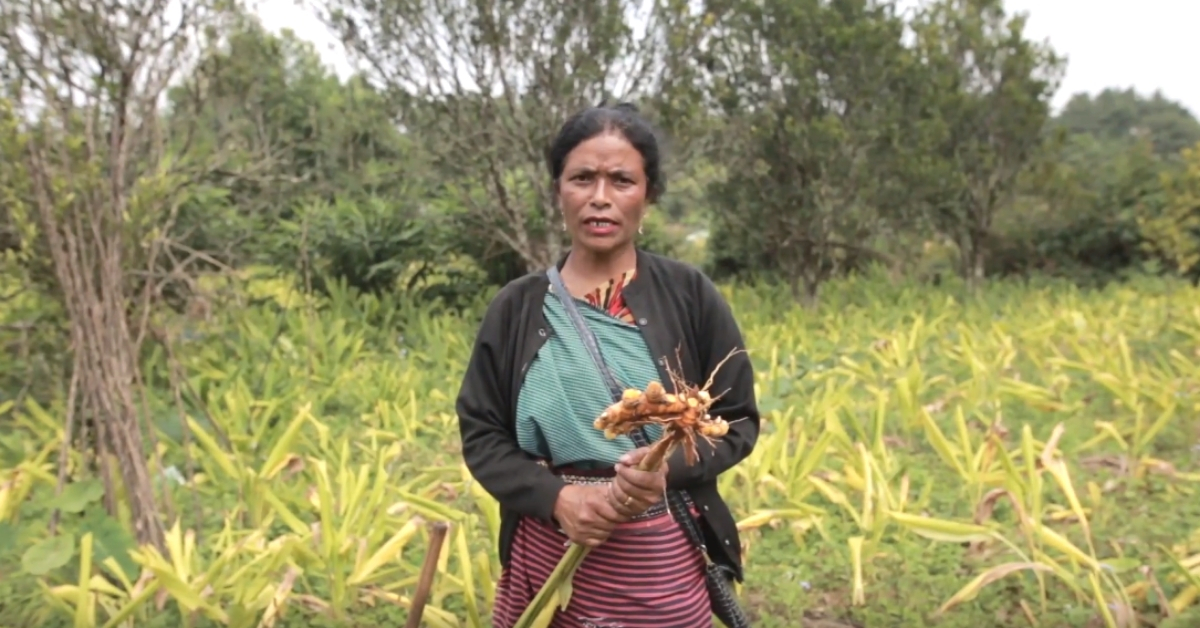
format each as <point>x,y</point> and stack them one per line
<point>602,193</point>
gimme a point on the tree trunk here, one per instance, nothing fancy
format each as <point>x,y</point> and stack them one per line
<point>812,289</point>
<point>806,283</point>
<point>540,256</point>
<point>978,260</point>
<point>86,244</point>
<point>973,258</point>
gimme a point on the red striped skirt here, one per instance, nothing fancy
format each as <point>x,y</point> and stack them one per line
<point>647,574</point>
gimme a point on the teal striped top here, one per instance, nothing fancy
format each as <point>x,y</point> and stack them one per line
<point>563,392</point>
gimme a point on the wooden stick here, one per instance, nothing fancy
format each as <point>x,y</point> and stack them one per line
<point>437,536</point>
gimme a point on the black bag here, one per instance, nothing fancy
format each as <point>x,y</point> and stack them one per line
<point>717,578</point>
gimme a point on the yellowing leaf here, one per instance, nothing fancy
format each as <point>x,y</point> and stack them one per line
<point>764,517</point>
<point>387,552</point>
<point>968,592</point>
<point>858,595</point>
<point>1060,543</point>
<point>942,529</point>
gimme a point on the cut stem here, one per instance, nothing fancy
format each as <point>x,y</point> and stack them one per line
<point>657,454</point>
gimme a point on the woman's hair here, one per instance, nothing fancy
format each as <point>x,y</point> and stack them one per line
<point>622,118</point>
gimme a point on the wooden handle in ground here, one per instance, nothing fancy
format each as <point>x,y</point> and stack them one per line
<point>437,536</point>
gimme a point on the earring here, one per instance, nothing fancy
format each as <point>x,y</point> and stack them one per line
<point>640,230</point>
<point>564,225</point>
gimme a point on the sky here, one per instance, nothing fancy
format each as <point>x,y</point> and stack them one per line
<point>1108,43</point>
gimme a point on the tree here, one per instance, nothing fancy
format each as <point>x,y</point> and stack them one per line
<point>1174,232</point>
<point>318,177</point>
<point>993,88</point>
<point>84,83</point>
<point>485,85</point>
<point>810,89</point>
<point>1124,116</point>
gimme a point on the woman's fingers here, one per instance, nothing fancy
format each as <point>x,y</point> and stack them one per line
<point>640,481</point>
<point>627,500</point>
<point>632,502</point>
<point>623,502</point>
<point>636,490</point>
<point>598,511</point>
<point>646,487</point>
<point>633,458</point>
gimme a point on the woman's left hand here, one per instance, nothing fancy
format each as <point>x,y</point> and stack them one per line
<point>634,491</point>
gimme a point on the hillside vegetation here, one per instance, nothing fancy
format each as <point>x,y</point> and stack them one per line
<point>237,292</point>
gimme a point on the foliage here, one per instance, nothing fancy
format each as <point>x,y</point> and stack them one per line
<point>811,128</point>
<point>991,90</point>
<point>100,178</point>
<point>1175,231</point>
<point>488,88</point>
<point>282,136</point>
<point>1079,218</point>
<point>295,138</point>
<point>1122,116</point>
<point>1009,443</point>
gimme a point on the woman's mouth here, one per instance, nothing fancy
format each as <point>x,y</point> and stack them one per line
<point>599,226</point>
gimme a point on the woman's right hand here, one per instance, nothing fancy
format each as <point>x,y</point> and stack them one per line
<point>586,514</point>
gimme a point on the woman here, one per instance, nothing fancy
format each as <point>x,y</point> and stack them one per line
<point>531,393</point>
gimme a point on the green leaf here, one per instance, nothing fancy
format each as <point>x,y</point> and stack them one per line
<point>49,554</point>
<point>77,495</point>
<point>1122,565</point>
<point>8,538</point>
<point>111,540</point>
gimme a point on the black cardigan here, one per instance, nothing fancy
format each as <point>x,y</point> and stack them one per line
<point>677,306</point>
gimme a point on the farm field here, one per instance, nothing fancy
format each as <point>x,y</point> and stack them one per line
<point>1030,456</point>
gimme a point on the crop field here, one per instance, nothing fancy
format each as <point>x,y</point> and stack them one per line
<point>1029,456</point>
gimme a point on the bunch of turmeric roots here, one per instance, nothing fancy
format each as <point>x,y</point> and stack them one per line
<point>684,418</point>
